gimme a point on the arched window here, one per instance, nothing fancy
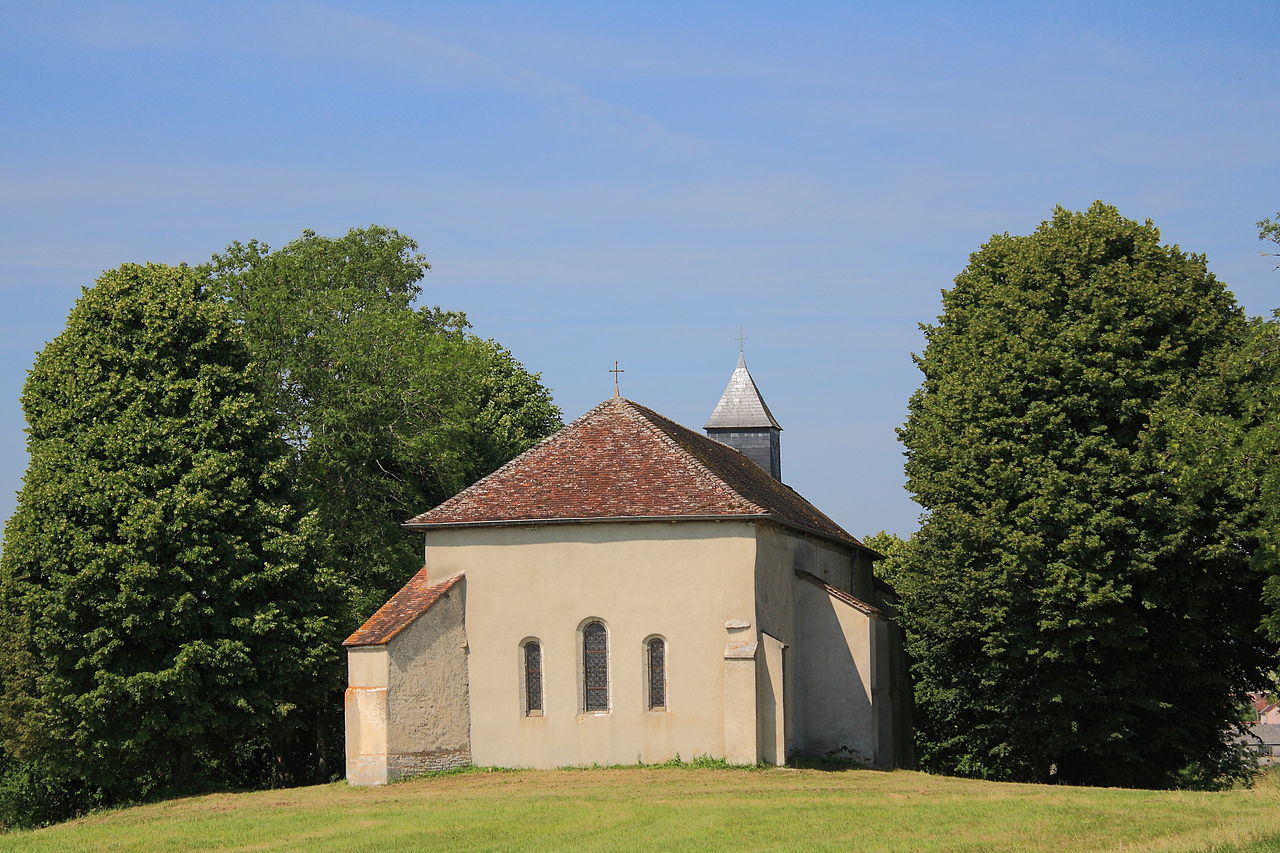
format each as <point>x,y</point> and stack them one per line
<point>656,665</point>
<point>595,667</point>
<point>533,679</point>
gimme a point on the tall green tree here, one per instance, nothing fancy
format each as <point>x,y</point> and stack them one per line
<point>157,608</point>
<point>1255,434</point>
<point>1079,605</point>
<point>390,408</point>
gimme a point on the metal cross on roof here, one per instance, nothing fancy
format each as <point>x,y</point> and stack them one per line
<point>741,338</point>
<point>616,370</point>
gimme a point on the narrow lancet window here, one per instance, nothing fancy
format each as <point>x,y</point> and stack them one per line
<point>657,658</point>
<point>532,679</point>
<point>595,667</point>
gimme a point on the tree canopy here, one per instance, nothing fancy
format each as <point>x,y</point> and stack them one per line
<point>220,461</point>
<point>1079,600</point>
<point>390,408</point>
<point>1254,437</point>
<point>159,610</point>
<point>894,550</point>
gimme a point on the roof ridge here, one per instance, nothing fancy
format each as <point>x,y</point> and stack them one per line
<point>767,510</point>
<point>644,412</point>
<point>619,460</point>
<point>448,502</point>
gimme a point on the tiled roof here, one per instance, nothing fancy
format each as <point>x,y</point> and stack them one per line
<point>622,460</point>
<point>837,592</point>
<point>741,405</point>
<point>1265,732</point>
<point>413,599</point>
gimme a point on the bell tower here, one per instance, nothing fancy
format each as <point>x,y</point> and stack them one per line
<point>743,421</point>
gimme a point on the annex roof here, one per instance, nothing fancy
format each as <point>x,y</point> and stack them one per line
<point>838,593</point>
<point>623,461</point>
<point>741,405</point>
<point>413,599</point>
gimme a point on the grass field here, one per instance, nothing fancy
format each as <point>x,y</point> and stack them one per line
<point>706,809</point>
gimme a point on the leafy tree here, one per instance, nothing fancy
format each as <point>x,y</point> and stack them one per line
<point>1079,601</point>
<point>158,608</point>
<point>894,548</point>
<point>390,409</point>
<point>1238,442</point>
<point>1251,441</point>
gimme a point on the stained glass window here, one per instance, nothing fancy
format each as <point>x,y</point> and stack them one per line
<point>657,674</point>
<point>595,667</point>
<point>532,678</point>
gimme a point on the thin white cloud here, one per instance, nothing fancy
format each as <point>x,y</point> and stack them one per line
<point>428,59</point>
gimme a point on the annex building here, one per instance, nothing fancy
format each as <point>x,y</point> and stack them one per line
<point>629,590</point>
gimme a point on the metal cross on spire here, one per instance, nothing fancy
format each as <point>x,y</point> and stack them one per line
<point>616,370</point>
<point>741,338</point>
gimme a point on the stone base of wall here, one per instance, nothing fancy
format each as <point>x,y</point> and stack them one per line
<point>366,769</point>
<point>402,764</point>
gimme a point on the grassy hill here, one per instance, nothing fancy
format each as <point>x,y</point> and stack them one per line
<point>680,808</point>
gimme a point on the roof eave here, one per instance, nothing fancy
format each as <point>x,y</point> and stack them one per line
<point>357,641</point>
<point>821,534</point>
<point>713,425</point>
<point>423,527</point>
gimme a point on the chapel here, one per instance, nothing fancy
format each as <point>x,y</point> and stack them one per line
<point>628,591</point>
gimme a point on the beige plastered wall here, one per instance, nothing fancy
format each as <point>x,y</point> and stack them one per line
<point>835,678</point>
<point>407,703</point>
<point>691,583</point>
<point>838,699</point>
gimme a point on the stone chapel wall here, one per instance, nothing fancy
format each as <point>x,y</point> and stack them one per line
<point>428,702</point>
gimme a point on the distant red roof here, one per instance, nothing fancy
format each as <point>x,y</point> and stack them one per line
<point>413,599</point>
<point>622,460</point>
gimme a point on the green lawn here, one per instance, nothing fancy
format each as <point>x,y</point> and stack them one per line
<point>684,809</point>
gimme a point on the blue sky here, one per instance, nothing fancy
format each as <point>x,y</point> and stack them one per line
<point>632,181</point>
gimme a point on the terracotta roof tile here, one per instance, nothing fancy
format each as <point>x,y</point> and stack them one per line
<point>837,592</point>
<point>622,460</point>
<point>413,599</point>
<point>750,480</point>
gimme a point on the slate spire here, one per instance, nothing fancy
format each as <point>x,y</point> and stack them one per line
<point>743,421</point>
